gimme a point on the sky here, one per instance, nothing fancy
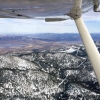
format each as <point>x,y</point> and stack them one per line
<point>32,26</point>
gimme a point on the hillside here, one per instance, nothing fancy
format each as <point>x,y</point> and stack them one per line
<point>61,74</point>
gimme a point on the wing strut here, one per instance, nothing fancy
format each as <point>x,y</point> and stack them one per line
<point>90,47</point>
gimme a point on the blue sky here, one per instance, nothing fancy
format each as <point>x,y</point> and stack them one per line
<point>31,26</point>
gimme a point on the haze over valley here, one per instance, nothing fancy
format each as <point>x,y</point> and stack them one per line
<point>40,42</point>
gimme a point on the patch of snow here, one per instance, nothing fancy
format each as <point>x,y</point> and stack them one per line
<point>71,50</point>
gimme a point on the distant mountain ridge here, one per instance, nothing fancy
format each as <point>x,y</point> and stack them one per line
<point>62,37</point>
<point>47,41</point>
<point>49,37</point>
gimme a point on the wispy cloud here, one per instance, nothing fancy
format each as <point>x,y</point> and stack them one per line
<point>24,26</point>
<point>91,15</point>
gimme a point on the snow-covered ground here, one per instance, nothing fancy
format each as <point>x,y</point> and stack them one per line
<point>48,76</point>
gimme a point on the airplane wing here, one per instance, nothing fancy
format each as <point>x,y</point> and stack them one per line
<point>38,8</point>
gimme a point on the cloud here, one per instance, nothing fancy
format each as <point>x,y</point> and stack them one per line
<point>91,15</point>
<point>27,26</point>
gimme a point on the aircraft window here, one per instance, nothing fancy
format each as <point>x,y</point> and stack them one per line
<point>43,57</point>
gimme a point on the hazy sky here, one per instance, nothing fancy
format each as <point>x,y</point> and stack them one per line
<point>28,26</point>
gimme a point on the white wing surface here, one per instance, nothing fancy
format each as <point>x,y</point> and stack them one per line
<point>38,8</point>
